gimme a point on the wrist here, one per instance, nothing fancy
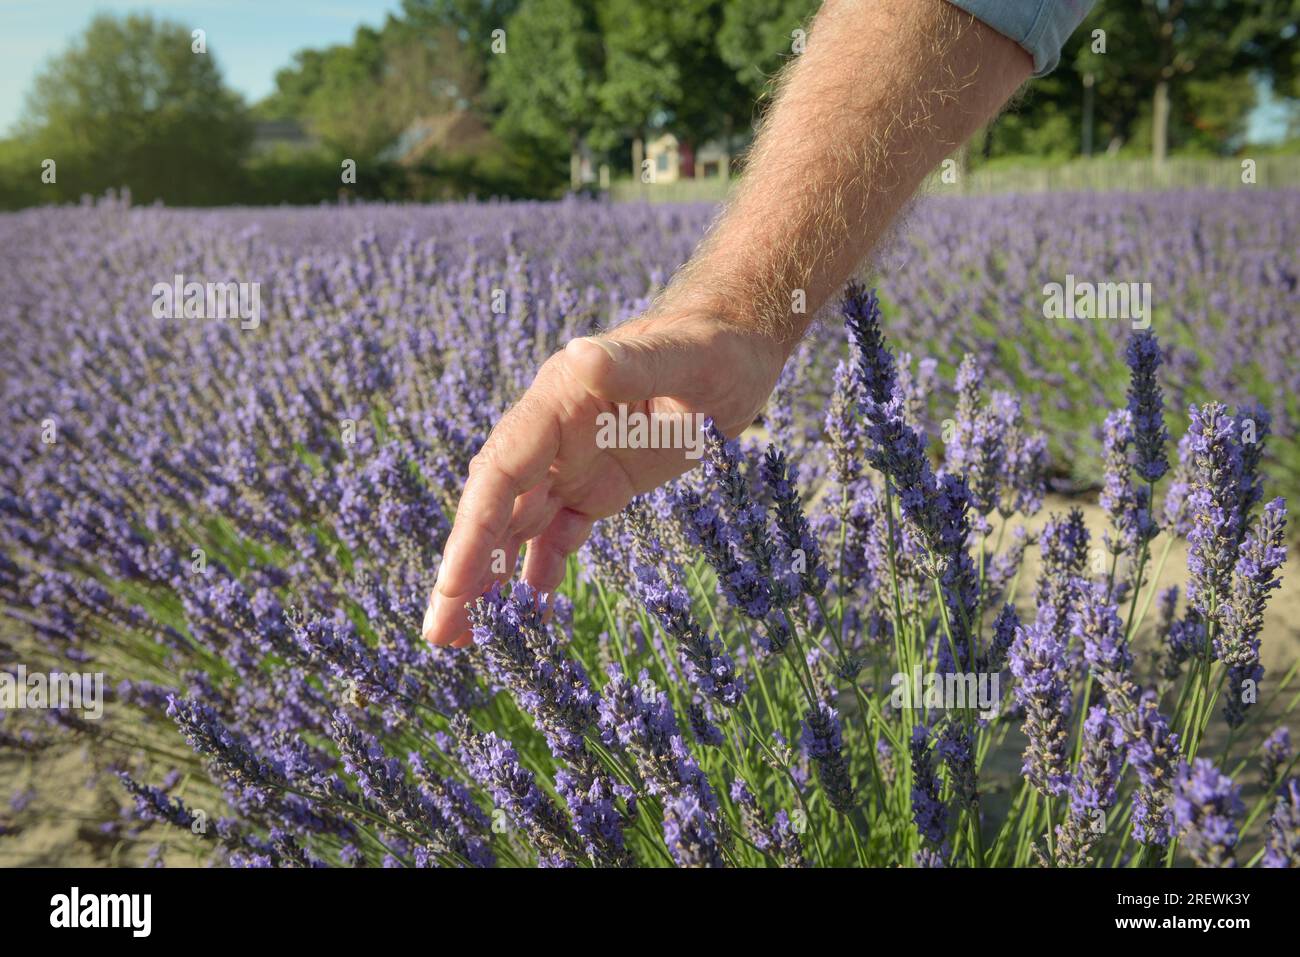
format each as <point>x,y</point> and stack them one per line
<point>720,311</point>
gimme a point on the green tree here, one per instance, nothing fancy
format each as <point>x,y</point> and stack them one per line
<point>757,37</point>
<point>294,85</point>
<point>341,109</point>
<point>663,67</point>
<point>548,78</point>
<point>472,23</point>
<point>1160,50</point>
<point>131,104</point>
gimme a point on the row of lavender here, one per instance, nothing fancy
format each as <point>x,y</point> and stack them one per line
<point>239,527</point>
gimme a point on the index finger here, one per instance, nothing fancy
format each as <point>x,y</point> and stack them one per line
<point>516,457</point>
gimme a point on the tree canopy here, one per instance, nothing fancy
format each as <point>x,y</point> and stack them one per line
<point>132,101</point>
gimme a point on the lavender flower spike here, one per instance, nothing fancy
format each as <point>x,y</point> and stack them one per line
<point>1127,504</point>
<point>1206,806</point>
<point>1242,616</point>
<point>791,522</point>
<point>494,764</point>
<point>1146,406</point>
<point>1276,756</point>
<point>1214,507</point>
<point>876,373</point>
<point>1038,661</point>
<point>523,655</point>
<point>1092,792</point>
<point>1283,844</point>
<point>825,746</point>
<point>928,810</point>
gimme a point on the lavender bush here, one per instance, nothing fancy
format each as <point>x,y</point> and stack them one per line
<point>239,527</point>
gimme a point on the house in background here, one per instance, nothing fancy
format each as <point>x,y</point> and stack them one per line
<point>673,161</point>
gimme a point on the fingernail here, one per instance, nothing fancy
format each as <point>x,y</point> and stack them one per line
<point>612,348</point>
<point>428,621</point>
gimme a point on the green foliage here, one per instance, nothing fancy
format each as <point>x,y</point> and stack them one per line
<point>469,22</point>
<point>663,68</point>
<point>757,35</point>
<point>549,78</point>
<point>1204,50</point>
<point>130,103</point>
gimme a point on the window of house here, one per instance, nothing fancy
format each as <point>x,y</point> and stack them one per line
<point>661,162</point>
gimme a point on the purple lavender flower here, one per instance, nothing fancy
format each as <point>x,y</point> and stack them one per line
<point>700,720</point>
<point>1063,545</point>
<point>1206,806</point>
<point>1146,407</point>
<point>928,811</point>
<point>791,522</point>
<point>382,780</point>
<point>1242,615</point>
<point>1275,757</point>
<point>1186,640</point>
<point>1005,626</point>
<point>593,802</point>
<point>1043,691</point>
<point>740,580</point>
<point>1092,792</point>
<point>977,447</point>
<point>955,748</point>
<point>843,431</point>
<point>689,833</point>
<point>935,506</point>
<point>1096,624</point>
<point>231,752</point>
<point>638,720</point>
<point>523,655</point>
<point>155,804</point>
<point>703,659</point>
<point>1025,461</point>
<point>1214,505</point>
<point>779,839</point>
<point>1152,749</point>
<point>1127,504</point>
<point>875,372</point>
<point>495,765</point>
<point>824,745</point>
<point>1282,847</point>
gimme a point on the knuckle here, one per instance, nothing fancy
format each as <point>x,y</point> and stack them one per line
<point>483,460</point>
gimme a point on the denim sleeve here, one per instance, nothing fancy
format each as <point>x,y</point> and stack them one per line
<point>1040,26</point>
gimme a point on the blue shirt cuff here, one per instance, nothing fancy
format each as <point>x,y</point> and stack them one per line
<point>1040,26</point>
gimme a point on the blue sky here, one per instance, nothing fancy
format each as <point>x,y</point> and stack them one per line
<point>250,39</point>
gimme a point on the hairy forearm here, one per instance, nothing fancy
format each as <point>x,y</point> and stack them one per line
<point>883,91</point>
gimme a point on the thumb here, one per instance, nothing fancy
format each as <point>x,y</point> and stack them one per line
<point>638,367</point>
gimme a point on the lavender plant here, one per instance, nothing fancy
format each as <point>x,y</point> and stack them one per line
<point>824,647</point>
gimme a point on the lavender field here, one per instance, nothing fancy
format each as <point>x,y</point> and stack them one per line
<point>236,521</point>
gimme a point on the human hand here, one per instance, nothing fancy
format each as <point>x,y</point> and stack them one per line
<point>541,478</point>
